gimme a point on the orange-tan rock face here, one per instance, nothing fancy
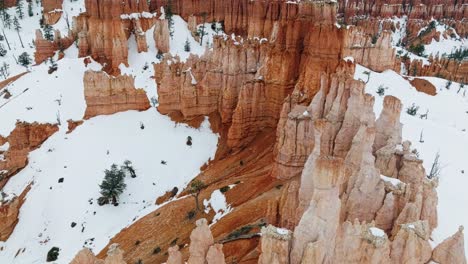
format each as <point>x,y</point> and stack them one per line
<point>104,29</point>
<point>450,69</point>
<point>22,140</point>
<point>299,139</point>
<point>107,95</point>
<point>52,11</point>
<point>114,256</point>
<point>9,211</point>
<point>451,250</point>
<point>46,49</point>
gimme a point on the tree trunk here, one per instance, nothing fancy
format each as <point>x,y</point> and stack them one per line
<point>196,202</point>
<point>20,39</point>
<point>114,200</point>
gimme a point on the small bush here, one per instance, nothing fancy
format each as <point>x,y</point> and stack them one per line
<point>191,214</point>
<point>417,49</point>
<point>381,90</point>
<point>239,232</point>
<point>53,254</point>
<point>412,110</point>
<point>224,189</point>
<point>156,250</point>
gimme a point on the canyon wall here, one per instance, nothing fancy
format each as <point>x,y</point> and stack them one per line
<point>450,69</point>
<point>52,10</point>
<point>46,49</point>
<point>23,139</point>
<point>106,95</point>
<point>9,212</point>
<point>103,30</point>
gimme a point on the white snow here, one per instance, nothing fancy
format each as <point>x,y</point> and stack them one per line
<point>282,231</point>
<point>349,58</point>
<point>444,131</point>
<point>377,232</point>
<point>218,204</point>
<point>42,97</point>
<point>393,181</point>
<point>80,158</point>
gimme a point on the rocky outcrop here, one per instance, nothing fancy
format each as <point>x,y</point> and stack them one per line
<point>202,249</point>
<point>114,256</point>
<point>276,244</point>
<point>23,139</point>
<point>450,69</point>
<point>175,257</point>
<point>201,240</point>
<point>104,29</point>
<point>377,54</point>
<point>161,35</point>
<point>46,49</point>
<point>423,9</point>
<point>9,211</point>
<point>107,95</point>
<point>423,86</point>
<point>451,250</point>
<point>52,10</point>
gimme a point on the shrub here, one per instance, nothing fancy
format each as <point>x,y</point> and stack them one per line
<point>191,214</point>
<point>412,110</point>
<point>239,232</point>
<point>418,49</point>
<point>187,47</point>
<point>156,250</point>
<point>224,189</point>
<point>381,90</point>
<point>53,254</point>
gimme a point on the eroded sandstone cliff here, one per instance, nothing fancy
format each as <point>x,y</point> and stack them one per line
<point>107,95</point>
<point>22,140</point>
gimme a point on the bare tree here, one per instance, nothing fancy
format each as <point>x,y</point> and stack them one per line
<point>435,168</point>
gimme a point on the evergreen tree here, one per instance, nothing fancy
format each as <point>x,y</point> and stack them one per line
<point>24,59</point>
<point>4,70</point>
<point>6,20</point>
<point>187,45</point>
<point>17,27</point>
<point>168,14</point>
<point>48,33</point>
<point>19,9</point>
<point>113,184</point>
<point>195,188</point>
<point>3,51</point>
<point>30,10</point>
<point>2,8</point>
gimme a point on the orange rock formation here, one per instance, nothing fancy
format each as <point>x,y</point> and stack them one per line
<point>107,95</point>
<point>22,140</point>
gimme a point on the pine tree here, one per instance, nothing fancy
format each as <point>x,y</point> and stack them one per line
<point>4,70</point>
<point>48,33</point>
<point>19,9</point>
<point>6,20</point>
<point>30,10</point>
<point>3,51</point>
<point>168,14</point>
<point>17,27</point>
<point>24,59</point>
<point>113,184</point>
<point>195,188</point>
<point>187,45</point>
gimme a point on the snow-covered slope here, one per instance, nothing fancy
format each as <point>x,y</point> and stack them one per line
<point>444,131</point>
<point>81,157</point>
